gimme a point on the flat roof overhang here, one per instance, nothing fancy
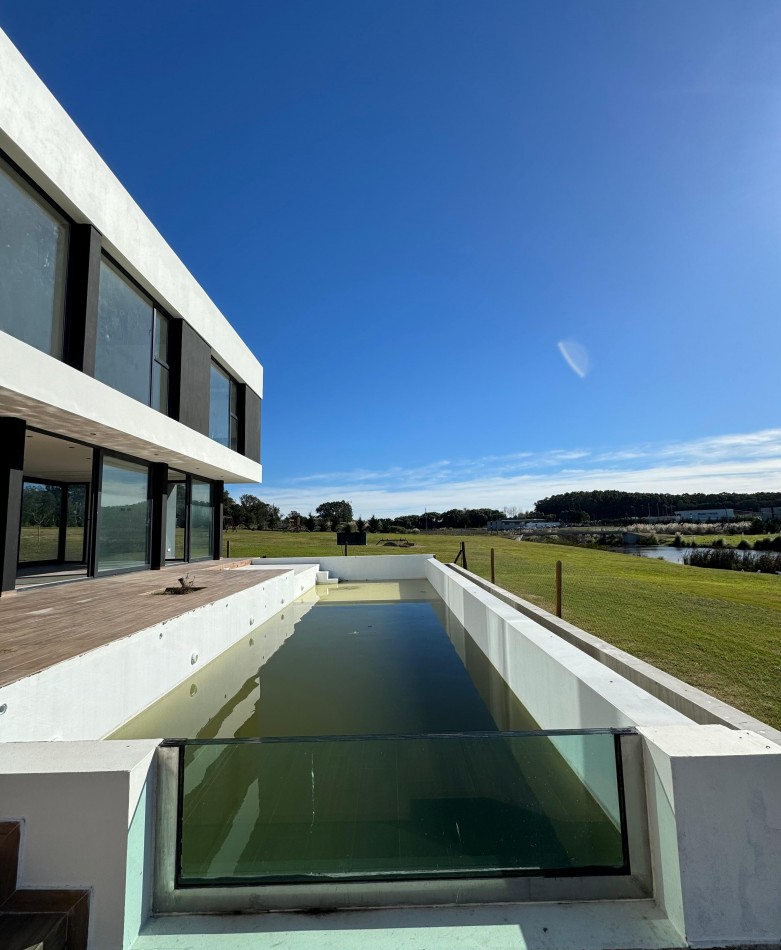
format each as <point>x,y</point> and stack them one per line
<point>53,396</point>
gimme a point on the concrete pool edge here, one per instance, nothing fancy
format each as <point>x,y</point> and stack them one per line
<point>117,680</point>
<point>694,703</point>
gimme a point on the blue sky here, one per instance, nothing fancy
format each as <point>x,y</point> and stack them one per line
<point>485,251</point>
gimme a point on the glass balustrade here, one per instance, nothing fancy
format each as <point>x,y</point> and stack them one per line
<point>394,807</point>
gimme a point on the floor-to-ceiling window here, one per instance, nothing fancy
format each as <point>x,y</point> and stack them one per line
<point>33,262</point>
<point>124,517</point>
<point>39,535</point>
<point>131,352</point>
<point>201,519</point>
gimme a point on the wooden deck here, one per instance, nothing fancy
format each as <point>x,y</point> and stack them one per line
<point>43,626</point>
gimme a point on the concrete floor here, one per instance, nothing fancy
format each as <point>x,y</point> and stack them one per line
<point>598,925</point>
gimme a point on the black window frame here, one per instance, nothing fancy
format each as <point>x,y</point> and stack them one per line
<point>93,569</point>
<point>67,221</point>
<point>233,407</point>
<point>157,313</point>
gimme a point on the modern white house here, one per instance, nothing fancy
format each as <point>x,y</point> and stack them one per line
<point>126,398</point>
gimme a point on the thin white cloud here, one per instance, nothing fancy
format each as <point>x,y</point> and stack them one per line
<point>733,462</point>
<point>575,356</point>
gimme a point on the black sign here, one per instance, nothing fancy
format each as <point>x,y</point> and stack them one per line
<point>351,537</point>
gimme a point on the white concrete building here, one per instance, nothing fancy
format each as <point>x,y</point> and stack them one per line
<point>126,398</point>
<point>705,514</point>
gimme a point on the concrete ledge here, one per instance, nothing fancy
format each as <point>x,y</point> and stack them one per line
<point>362,567</point>
<point>90,696</point>
<point>77,801</point>
<point>694,703</point>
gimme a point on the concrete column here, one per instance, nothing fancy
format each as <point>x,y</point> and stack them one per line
<point>12,433</point>
<point>217,490</point>
<point>159,505</point>
<point>714,809</point>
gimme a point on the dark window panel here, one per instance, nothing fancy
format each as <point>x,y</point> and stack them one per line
<point>123,537</point>
<point>123,357</point>
<point>201,520</point>
<point>33,262</point>
<point>160,388</point>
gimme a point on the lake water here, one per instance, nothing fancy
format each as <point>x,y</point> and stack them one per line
<point>659,551</point>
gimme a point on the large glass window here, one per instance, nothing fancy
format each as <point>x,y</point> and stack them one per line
<point>123,533</point>
<point>201,519</point>
<point>132,343</point>
<point>33,258</point>
<point>39,537</point>
<point>223,409</point>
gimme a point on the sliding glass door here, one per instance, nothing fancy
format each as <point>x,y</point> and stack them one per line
<point>53,522</point>
<point>124,516</point>
<point>189,518</point>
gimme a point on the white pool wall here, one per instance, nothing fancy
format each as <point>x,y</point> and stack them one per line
<point>380,567</point>
<point>90,696</point>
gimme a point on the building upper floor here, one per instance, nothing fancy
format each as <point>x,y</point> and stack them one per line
<point>100,322</point>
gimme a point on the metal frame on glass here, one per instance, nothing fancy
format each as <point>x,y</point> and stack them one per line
<point>635,880</point>
<point>97,470</point>
<point>63,525</point>
<point>158,316</point>
<point>61,218</point>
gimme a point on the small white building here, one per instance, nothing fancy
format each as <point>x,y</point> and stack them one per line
<point>706,514</point>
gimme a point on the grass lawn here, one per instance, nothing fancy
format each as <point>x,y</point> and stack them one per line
<point>730,540</point>
<point>718,630</point>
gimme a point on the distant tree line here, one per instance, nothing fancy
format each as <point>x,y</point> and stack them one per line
<point>256,515</point>
<point>571,507</point>
<point>617,505</point>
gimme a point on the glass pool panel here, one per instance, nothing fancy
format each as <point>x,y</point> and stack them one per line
<point>399,807</point>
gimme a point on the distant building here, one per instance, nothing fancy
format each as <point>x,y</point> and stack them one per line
<point>773,513</point>
<point>520,524</point>
<point>706,514</point>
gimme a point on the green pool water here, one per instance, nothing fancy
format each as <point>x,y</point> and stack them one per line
<point>371,744</point>
<point>362,659</point>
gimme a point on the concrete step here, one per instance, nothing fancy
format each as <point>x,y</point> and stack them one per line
<point>71,905</point>
<point>322,577</point>
<point>33,931</point>
<point>37,918</point>
<point>10,836</point>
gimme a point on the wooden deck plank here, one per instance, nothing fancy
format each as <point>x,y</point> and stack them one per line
<point>42,626</point>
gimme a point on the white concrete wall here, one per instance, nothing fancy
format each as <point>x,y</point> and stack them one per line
<point>51,395</point>
<point>42,139</point>
<point>89,696</point>
<point>693,703</point>
<point>714,797</point>
<point>77,800</point>
<point>379,567</point>
<point>561,687</point>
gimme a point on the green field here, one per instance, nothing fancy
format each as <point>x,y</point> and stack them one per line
<point>730,540</point>
<point>718,630</point>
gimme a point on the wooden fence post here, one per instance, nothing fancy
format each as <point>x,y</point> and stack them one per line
<point>558,588</point>
<point>229,547</point>
<point>493,572</point>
